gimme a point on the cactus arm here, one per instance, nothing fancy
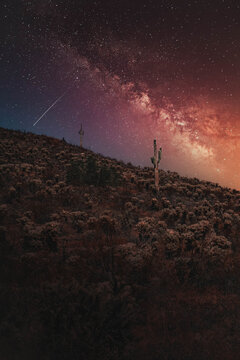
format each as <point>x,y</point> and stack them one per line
<point>159,155</point>
<point>155,148</point>
<point>153,160</point>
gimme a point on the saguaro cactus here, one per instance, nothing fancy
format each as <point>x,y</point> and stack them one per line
<point>81,133</point>
<point>156,160</point>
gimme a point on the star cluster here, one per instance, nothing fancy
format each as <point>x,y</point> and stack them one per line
<point>136,70</point>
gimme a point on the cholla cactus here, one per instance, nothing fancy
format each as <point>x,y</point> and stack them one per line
<point>81,133</point>
<point>155,161</point>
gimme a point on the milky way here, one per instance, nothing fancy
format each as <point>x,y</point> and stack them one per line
<point>137,71</point>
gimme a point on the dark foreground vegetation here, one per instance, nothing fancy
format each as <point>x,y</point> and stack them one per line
<point>95,265</point>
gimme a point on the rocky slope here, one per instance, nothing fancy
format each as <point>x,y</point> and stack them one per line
<point>96,265</point>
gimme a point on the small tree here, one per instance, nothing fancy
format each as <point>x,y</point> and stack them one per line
<point>75,174</point>
<point>104,176</point>
<point>91,171</point>
<point>115,177</point>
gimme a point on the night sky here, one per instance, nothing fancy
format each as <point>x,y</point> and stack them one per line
<point>130,71</point>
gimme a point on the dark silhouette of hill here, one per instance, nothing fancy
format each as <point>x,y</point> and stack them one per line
<point>94,264</point>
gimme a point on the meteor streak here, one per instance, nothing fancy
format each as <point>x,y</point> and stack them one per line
<point>53,104</point>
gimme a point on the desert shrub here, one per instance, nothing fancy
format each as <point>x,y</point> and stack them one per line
<point>191,217</point>
<point>104,176</point>
<point>107,176</point>
<point>155,204</point>
<point>35,185</point>
<point>107,225</point>
<point>48,173</point>
<point>172,243</point>
<point>166,203</point>
<point>129,206</point>
<point>218,248</point>
<point>188,240</point>
<point>41,209</point>
<point>75,174</point>
<point>200,229</point>
<point>91,171</point>
<point>145,229</point>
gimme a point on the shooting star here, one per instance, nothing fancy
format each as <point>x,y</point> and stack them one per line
<point>53,104</point>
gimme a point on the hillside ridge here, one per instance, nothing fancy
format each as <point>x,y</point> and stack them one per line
<point>36,139</point>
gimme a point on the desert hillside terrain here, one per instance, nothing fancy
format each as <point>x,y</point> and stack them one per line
<point>95,264</point>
